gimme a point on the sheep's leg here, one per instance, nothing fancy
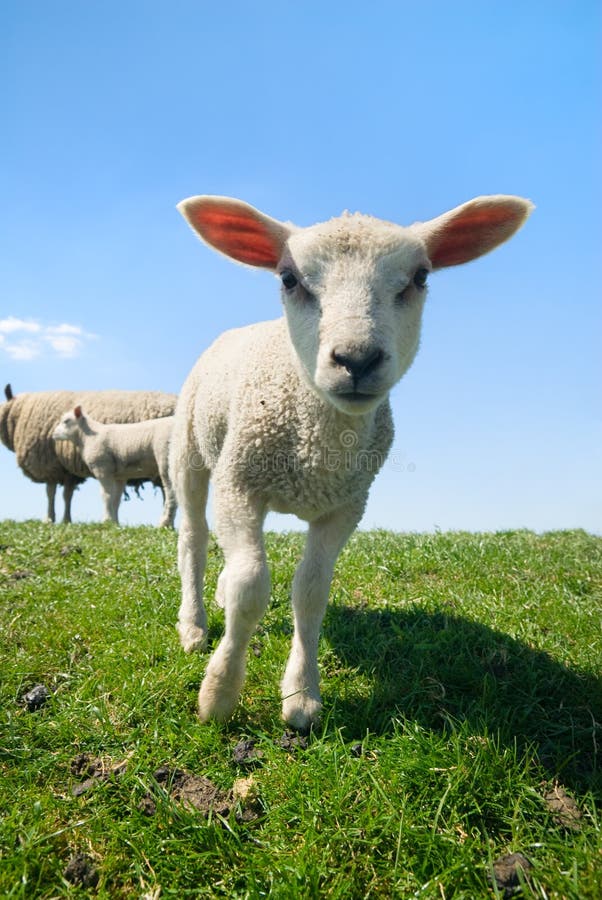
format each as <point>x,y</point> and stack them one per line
<point>300,686</point>
<point>51,494</point>
<point>245,585</point>
<point>68,489</point>
<point>192,556</point>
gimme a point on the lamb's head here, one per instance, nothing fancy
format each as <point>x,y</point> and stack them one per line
<point>354,288</point>
<point>71,426</point>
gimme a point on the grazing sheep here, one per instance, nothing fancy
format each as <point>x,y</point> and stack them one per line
<point>116,453</point>
<point>293,415</point>
<point>28,420</point>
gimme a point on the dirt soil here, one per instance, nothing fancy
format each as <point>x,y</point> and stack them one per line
<point>81,871</point>
<point>506,871</point>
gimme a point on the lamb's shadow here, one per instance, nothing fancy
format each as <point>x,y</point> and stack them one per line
<point>438,669</point>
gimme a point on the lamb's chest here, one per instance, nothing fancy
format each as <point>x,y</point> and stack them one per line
<point>313,480</point>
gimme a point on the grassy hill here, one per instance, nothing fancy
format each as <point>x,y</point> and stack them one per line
<point>462,685</point>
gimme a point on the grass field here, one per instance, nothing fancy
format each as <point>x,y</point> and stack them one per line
<point>462,685</point>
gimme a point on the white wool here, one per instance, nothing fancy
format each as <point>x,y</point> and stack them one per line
<point>293,415</point>
<point>116,453</point>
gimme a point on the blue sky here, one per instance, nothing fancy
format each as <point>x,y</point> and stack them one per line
<point>115,111</point>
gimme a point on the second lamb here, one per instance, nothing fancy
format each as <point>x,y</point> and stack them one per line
<point>116,453</point>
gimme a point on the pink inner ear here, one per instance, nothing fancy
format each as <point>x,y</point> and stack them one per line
<point>473,232</point>
<point>236,233</point>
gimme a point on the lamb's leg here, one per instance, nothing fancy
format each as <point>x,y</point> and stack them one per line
<point>168,514</point>
<point>68,489</point>
<point>108,488</point>
<point>193,536</point>
<point>51,493</point>
<point>245,584</point>
<point>119,486</point>
<point>300,686</point>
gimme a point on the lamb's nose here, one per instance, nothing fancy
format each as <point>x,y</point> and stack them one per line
<point>359,364</point>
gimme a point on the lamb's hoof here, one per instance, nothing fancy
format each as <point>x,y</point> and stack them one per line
<point>301,712</point>
<point>216,705</point>
<point>192,637</point>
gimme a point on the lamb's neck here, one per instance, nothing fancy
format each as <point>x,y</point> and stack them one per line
<point>89,428</point>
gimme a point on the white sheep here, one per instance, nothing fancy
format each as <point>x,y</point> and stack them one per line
<point>117,453</point>
<point>28,420</point>
<point>293,415</point>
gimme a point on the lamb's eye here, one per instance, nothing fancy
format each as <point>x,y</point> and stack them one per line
<point>420,278</point>
<point>288,279</point>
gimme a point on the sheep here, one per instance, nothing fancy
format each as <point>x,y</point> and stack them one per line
<point>34,459</point>
<point>116,453</point>
<point>293,415</point>
<point>27,421</point>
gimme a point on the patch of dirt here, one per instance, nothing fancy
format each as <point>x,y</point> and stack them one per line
<point>563,808</point>
<point>199,793</point>
<point>36,698</point>
<point>81,871</point>
<point>247,754</point>
<point>293,742</point>
<point>69,549</point>
<point>20,574</point>
<point>194,791</point>
<point>96,769</point>
<point>506,871</point>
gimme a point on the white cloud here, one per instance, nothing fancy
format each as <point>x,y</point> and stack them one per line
<point>12,324</point>
<point>64,329</point>
<point>65,340</point>
<point>64,345</point>
<point>22,350</point>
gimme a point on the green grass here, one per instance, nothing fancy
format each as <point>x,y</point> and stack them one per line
<point>468,667</point>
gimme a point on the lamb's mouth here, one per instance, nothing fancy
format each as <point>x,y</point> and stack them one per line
<point>356,400</point>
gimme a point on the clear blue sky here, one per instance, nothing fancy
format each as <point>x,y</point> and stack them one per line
<point>112,112</point>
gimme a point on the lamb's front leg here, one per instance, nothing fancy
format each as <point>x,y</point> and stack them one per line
<point>109,488</point>
<point>245,585</point>
<point>301,703</point>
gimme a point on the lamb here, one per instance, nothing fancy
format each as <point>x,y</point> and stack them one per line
<point>116,453</point>
<point>293,415</point>
<point>28,420</point>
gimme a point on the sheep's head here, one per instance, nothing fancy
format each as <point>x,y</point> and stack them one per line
<point>354,288</point>
<point>70,426</point>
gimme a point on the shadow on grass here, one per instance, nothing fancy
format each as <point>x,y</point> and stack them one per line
<point>439,669</point>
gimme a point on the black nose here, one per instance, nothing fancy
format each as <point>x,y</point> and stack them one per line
<point>358,364</point>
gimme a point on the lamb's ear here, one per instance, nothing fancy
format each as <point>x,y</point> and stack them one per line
<point>77,412</point>
<point>475,228</point>
<point>236,229</point>
<point>8,392</point>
